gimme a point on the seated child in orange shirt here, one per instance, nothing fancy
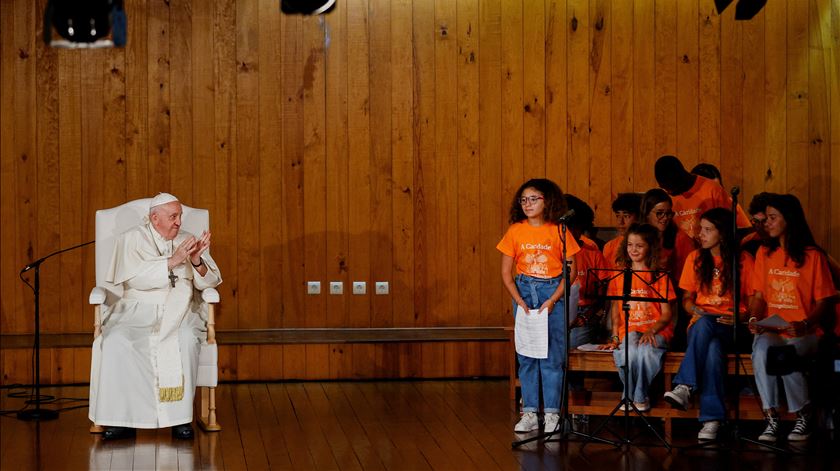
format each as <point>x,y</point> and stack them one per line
<point>649,323</point>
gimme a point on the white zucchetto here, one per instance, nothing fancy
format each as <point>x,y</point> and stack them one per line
<point>162,198</point>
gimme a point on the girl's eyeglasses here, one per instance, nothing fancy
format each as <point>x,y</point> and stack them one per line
<point>529,199</point>
<point>663,214</point>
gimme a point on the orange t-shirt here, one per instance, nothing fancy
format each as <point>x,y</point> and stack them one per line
<point>588,257</point>
<point>643,314</point>
<point>611,250</point>
<point>791,292</point>
<point>704,195</point>
<point>674,259</point>
<point>712,300</point>
<point>749,237</point>
<point>536,251</point>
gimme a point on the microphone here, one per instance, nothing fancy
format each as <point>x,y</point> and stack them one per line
<point>41,260</point>
<point>735,190</point>
<point>569,214</point>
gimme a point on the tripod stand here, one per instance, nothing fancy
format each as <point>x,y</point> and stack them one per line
<point>38,414</point>
<point>565,425</point>
<point>626,403</point>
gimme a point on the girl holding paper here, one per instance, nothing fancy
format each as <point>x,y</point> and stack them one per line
<point>792,280</point>
<point>532,271</point>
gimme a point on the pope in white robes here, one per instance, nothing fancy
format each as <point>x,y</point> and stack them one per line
<point>144,363</point>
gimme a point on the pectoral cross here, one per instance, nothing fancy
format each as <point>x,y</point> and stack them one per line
<point>172,278</point>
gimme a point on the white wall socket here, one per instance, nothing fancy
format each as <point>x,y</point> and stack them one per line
<point>359,287</point>
<point>336,287</point>
<point>313,287</point>
<point>381,287</point>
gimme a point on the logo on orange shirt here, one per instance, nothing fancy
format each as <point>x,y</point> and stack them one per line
<point>783,293</point>
<point>537,263</point>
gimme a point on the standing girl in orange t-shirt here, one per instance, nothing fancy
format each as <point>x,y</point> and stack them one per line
<point>649,322</point>
<point>532,272</point>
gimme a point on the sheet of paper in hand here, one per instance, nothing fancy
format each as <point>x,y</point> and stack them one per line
<point>592,347</point>
<point>773,322</point>
<point>530,333</point>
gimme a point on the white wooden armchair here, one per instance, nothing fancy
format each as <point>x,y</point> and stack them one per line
<point>112,222</point>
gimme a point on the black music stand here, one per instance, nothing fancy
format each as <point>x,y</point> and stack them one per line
<point>39,414</point>
<point>626,403</point>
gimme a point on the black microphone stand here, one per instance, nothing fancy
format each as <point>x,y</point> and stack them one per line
<point>736,300</point>
<point>39,414</point>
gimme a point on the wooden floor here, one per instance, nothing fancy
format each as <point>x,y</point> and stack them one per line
<point>424,425</point>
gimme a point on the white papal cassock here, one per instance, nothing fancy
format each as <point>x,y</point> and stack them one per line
<point>150,336</point>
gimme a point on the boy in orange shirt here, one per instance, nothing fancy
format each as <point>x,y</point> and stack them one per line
<point>626,209</point>
<point>649,322</point>
<point>692,195</point>
<point>791,279</point>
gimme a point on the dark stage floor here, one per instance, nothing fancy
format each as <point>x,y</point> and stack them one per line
<point>366,426</point>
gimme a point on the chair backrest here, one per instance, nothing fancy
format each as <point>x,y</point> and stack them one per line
<point>112,222</point>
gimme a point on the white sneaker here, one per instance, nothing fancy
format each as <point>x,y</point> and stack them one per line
<point>642,406</point>
<point>552,422</point>
<point>800,431</point>
<point>709,430</point>
<point>528,423</point>
<point>680,397</point>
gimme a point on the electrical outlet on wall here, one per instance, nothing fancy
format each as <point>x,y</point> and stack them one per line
<point>336,287</point>
<point>313,287</point>
<point>381,287</point>
<point>359,287</point>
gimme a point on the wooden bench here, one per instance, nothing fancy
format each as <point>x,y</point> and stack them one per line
<point>603,402</point>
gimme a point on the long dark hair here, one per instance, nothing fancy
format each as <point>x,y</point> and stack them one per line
<point>650,235</point>
<point>704,265</point>
<point>650,199</point>
<point>555,203</point>
<point>798,235</point>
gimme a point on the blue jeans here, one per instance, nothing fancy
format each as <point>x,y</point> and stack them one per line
<point>704,365</point>
<point>796,385</point>
<point>536,291</point>
<point>583,334</point>
<point>578,335</point>
<point>645,363</point>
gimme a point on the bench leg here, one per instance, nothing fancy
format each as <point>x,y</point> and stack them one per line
<point>207,416</point>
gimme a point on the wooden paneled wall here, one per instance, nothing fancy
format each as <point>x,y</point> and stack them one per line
<point>384,142</point>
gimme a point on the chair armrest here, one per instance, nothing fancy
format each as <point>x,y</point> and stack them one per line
<point>97,296</point>
<point>210,296</point>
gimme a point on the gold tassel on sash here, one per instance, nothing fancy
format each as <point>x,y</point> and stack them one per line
<point>172,394</point>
